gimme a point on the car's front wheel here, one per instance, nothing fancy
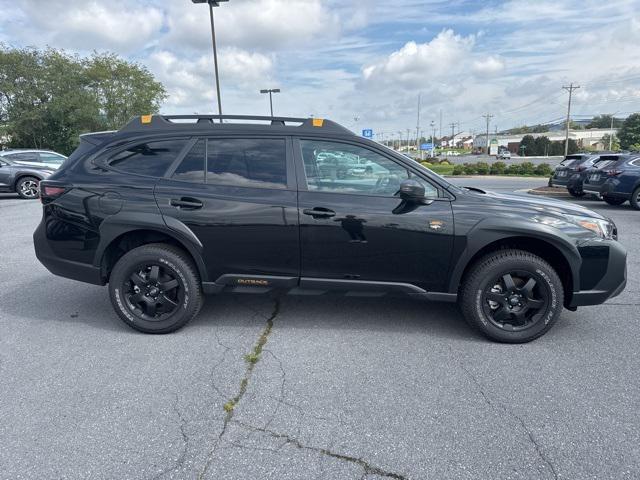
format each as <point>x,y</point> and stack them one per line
<point>512,296</point>
<point>28,188</point>
<point>614,200</point>
<point>576,193</point>
<point>155,288</point>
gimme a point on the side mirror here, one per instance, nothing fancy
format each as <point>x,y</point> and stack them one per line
<point>411,190</point>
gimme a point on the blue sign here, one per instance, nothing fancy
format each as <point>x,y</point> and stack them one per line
<point>367,133</point>
<point>426,146</point>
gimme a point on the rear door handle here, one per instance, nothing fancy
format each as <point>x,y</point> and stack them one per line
<point>186,203</point>
<point>319,212</point>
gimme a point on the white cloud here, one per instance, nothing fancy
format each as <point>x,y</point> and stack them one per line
<point>490,65</point>
<point>252,24</point>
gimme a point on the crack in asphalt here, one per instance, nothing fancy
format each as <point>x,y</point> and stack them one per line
<point>252,360</point>
<point>368,469</point>
<point>495,405</point>
<point>185,444</point>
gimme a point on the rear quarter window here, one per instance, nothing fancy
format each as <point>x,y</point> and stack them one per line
<point>151,158</point>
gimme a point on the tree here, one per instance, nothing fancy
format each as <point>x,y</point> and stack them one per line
<point>615,143</point>
<point>48,97</point>
<point>542,145</point>
<point>629,133</point>
<point>528,146</point>
<point>604,121</point>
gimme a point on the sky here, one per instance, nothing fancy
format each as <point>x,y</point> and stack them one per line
<point>363,63</point>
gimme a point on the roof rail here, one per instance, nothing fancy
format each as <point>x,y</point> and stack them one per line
<point>160,122</point>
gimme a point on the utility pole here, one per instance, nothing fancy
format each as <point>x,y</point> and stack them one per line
<point>433,139</point>
<point>418,129</point>
<point>408,133</point>
<point>453,134</point>
<point>569,89</point>
<point>488,118</point>
<point>440,136</point>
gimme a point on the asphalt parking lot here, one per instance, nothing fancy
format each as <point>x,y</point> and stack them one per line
<point>346,387</point>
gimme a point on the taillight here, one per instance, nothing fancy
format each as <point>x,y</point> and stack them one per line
<point>50,192</point>
<point>580,169</point>
<point>613,173</point>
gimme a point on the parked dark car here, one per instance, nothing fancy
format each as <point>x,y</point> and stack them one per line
<point>616,178</point>
<point>22,178</point>
<point>567,174</point>
<point>165,210</point>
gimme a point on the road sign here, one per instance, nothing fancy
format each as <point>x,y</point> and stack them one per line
<point>367,133</point>
<point>426,146</point>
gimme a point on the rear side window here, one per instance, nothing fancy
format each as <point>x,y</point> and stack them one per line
<point>191,169</point>
<point>23,157</point>
<point>247,162</point>
<point>150,158</point>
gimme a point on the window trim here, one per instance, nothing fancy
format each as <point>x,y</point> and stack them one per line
<point>302,176</point>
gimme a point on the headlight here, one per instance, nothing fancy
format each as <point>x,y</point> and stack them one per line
<point>601,227</point>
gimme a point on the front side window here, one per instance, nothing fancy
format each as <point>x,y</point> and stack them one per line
<point>151,158</point>
<point>247,162</point>
<point>345,168</point>
<point>52,158</point>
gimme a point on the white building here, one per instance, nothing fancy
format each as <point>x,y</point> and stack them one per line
<point>588,138</point>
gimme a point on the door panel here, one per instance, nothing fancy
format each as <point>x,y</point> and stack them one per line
<point>369,234</point>
<point>243,228</point>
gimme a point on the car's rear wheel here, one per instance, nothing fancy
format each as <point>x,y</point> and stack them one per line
<point>28,188</point>
<point>512,296</point>
<point>576,193</point>
<point>635,199</point>
<point>155,288</point>
<point>614,200</point>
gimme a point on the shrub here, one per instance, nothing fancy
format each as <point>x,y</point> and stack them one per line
<point>544,170</point>
<point>514,170</point>
<point>470,168</point>
<point>498,168</point>
<point>427,164</point>
<point>527,168</point>
<point>444,161</point>
<point>482,168</point>
<point>458,170</point>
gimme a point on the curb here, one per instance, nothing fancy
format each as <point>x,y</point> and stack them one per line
<point>542,193</point>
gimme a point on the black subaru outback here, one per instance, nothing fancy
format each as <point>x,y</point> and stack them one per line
<point>171,207</point>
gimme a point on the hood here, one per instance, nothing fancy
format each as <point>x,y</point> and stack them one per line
<point>533,204</point>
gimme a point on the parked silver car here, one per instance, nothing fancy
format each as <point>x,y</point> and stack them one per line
<point>43,158</point>
<point>22,178</point>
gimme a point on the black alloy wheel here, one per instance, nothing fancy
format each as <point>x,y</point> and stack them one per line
<point>153,292</point>
<point>516,300</point>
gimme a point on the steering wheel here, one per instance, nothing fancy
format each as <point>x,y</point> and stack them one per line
<point>386,184</point>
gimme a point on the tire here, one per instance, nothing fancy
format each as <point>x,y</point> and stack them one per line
<point>522,311</point>
<point>635,199</point>
<point>576,193</point>
<point>614,200</point>
<point>155,288</point>
<point>28,188</point>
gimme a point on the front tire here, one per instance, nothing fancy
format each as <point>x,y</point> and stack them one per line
<point>28,188</point>
<point>635,199</point>
<point>614,200</point>
<point>155,288</point>
<point>512,296</point>
<point>576,193</point>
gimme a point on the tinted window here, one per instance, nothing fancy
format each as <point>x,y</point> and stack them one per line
<point>344,168</point>
<point>191,169</point>
<point>23,157</point>
<point>151,158</point>
<point>247,162</point>
<point>52,158</point>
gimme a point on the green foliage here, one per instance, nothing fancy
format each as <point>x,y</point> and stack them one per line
<point>615,142</point>
<point>514,169</point>
<point>542,145</point>
<point>629,133</point>
<point>557,148</point>
<point>527,168</point>
<point>482,168</point>
<point>470,169</point>
<point>543,170</point>
<point>458,170</point>
<point>49,97</point>
<point>528,146</point>
<point>604,121</point>
<point>498,168</point>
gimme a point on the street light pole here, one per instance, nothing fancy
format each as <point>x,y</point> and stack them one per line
<point>271,91</point>
<point>214,3</point>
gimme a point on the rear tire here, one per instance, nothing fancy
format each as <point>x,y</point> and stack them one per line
<point>512,296</point>
<point>614,200</point>
<point>635,199</point>
<point>28,188</point>
<point>155,288</point>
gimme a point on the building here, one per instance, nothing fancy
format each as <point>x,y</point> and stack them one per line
<point>586,139</point>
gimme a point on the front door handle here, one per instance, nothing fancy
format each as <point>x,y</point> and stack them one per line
<point>319,212</point>
<point>186,203</point>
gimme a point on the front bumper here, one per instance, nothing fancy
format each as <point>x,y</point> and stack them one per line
<point>609,282</point>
